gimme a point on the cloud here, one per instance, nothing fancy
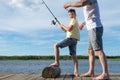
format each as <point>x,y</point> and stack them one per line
<point>26,4</point>
<point>24,20</point>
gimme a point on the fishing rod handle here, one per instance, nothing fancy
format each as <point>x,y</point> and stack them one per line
<point>57,20</point>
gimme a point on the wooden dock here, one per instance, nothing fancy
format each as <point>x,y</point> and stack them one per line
<point>36,76</point>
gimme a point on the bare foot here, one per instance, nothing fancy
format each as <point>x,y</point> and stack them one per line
<point>54,64</point>
<point>88,74</point>
<point>102,77</point>
<point>76,74</point>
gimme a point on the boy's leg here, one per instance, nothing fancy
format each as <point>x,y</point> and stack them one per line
<point>103,62</point>
<point>72,49</point>
<point>56,53</point>
<point>75,65</point>
<point>62,44</point>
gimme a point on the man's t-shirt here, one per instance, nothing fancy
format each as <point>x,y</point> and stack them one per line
<point>92,15</point>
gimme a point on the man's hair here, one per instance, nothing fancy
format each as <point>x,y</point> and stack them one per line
<point>72,10</point>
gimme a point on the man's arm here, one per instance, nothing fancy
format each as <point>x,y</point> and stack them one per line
<point>80,3</point>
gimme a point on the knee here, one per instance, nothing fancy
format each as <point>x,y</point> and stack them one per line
<point>91,52</point>
<point>55,45</point>
<point>99,52</point>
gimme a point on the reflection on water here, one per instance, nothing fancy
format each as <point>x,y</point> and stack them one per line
<point>36,66</point>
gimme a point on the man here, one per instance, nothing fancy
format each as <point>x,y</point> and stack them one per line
<point>95,31</point>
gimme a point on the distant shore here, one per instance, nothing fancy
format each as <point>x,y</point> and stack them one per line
<point>32,57</point>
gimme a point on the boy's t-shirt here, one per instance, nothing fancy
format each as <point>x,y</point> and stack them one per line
<point>75,33</point>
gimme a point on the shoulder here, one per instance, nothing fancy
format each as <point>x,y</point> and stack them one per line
<point>74,20</point>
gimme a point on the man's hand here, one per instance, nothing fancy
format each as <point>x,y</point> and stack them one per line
<point>82,25</point>
<point>80,3</point>
<point>66,5</point>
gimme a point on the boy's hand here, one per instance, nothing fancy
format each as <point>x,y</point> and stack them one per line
<point>82,25</point>
<point>61,25</point>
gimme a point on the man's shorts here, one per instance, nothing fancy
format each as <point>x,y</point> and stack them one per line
<point>95,39</point>
<point>71,43</point>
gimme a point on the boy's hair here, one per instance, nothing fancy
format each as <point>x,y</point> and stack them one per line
<point>72,10</point>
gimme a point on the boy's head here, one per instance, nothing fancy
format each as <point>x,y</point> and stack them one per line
<point>72,13</point>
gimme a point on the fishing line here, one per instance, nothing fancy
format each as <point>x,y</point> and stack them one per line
<point>33,5</point>
<point>53,22</point>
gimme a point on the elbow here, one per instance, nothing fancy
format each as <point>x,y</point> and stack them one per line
<point>83,3</point>
<point>86,2</point>
<point>69,30</point>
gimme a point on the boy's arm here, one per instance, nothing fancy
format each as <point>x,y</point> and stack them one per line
<point>82,25</point>
<point>64,28</point>
<point>80,3</point>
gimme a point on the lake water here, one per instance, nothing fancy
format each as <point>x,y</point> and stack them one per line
<point>36,66</point>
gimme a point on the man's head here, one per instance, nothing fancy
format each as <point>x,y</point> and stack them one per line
<point>72,13</point>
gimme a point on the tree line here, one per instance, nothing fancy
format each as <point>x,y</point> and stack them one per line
<point>64,57</point>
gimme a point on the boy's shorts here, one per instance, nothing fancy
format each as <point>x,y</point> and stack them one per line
<point>95,39</point>
<point>71,43</point>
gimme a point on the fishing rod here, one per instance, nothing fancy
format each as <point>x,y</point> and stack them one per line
<point>53,22</point>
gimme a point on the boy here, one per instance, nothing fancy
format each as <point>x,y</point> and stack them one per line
<point>72,36</point>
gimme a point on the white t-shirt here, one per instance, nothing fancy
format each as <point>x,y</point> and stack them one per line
<point>92,15</point>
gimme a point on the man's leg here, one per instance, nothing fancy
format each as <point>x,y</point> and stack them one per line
<point>91,56</point>
<point>90,73</point>
<point>103,62</point>
<point>75,65</point>
<point>91,62</point>
<point>56,53</point>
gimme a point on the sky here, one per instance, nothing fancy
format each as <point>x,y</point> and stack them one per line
<point>26,29</point>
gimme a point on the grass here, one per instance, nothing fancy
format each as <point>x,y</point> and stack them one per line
<point>50,57</point>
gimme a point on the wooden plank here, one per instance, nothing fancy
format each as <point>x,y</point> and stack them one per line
<point>29,77</point>
<point>77,78</point>
<point>25,77</point>
<point>6,76</point>
<point>61,77</point>
<point>68,76</point>
<point>50,79</point>
<point>40,78</point>
<point>65,76</point>
<point>86,78</point>
<point>3,74</point>
<point>115,76</point>
<point>16,77</point>
<point>37,77</point>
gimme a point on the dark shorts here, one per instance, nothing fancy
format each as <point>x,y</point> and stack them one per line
<point>95,39</point>
<point>71,43</point>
